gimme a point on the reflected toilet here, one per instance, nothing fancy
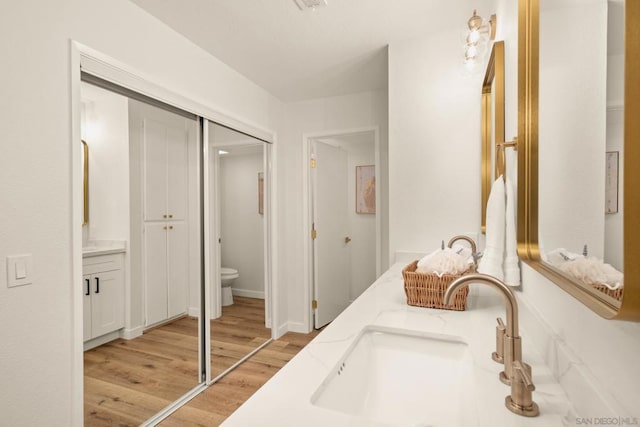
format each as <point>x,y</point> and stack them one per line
<point>227,275</point>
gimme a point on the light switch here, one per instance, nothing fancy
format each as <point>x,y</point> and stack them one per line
<point>19,270</point>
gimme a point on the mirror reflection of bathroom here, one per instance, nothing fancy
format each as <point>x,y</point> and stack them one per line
<point>238,186</point>
<point>141,256</point>
<point>581,143</point>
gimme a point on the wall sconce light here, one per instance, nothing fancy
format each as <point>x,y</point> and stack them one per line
<point>477,37</point>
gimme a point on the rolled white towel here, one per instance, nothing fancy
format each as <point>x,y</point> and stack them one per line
<point>592,271</point>
<point>444,261</point>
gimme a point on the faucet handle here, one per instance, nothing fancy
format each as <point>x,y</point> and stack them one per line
<point>520,400</point>
<point>498,355</point>
<point>524,370</point>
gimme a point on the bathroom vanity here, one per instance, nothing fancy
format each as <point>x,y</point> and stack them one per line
<point>103,289</point>
<point>382,362</point>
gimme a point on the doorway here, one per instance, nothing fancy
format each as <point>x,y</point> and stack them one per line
<point>342,221</point>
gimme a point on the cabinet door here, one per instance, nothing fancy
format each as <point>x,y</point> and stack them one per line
<point>86,307</point>
<point>177,173</point>
<point>155,272</point>
<point>155,170</point>
<point>178,267</point>
<point>107,302</point>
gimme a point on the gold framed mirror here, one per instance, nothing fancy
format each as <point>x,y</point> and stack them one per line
<point>531,136</point>
<point>85,183</point>
<point>492,126</point>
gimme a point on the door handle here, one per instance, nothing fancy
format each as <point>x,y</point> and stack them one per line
<point>347,239</point>
<point>97,285</point>
<point>88,286</point>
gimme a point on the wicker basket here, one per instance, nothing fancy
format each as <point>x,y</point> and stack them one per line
<point>613,293</point>
<point>427,289</point>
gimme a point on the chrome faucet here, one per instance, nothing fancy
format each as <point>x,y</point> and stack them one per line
<point>516,373</point>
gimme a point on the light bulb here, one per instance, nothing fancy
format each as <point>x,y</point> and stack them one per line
<point>471,52</point>
<point>473,37</point>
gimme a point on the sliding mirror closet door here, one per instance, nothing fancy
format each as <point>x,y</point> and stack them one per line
<point>142,242</point>
<point>238,206</point>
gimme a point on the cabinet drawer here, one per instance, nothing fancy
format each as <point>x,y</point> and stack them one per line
<point>102,263</point>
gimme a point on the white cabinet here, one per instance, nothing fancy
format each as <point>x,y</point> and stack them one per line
<point>165,160</point>
<point>164,190</point>
<point>165,270</point>
<point>103,295</point>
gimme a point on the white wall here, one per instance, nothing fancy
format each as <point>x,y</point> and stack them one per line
<point>613,227</point>
<point>106,132</point>
<point>434,143</point>
<point>572,127</point>
<point>315,116</point>
<point>241,226</point>
<point>35,175</point>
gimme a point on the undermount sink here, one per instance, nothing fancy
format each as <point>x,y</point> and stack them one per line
<point>398,377</point>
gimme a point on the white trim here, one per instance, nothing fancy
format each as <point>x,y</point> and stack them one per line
<point>107,68</point>
<point>77,353</point>
<point>266,241</point>
<point>249,294</point>
<point>272,287</point>
<point>129,334</point>
<point>307,218</point>
<point>206,250</point>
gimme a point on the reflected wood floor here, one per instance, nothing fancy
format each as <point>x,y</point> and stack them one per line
<point>216,403</point>
<point>128,381</point>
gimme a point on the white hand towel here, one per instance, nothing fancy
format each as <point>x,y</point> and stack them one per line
<point>491,261</point>
<point>511,266</point>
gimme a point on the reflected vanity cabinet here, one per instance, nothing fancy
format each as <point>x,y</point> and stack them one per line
<point>103,296</point>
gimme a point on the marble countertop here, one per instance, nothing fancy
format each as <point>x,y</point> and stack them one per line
<point>285,400</point>
<point>103,247</point>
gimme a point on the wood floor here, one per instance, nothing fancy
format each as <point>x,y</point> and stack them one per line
<point>216,403</point>
<point>127,382</point>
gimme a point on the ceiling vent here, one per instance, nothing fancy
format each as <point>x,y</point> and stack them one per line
<point>310,4</point>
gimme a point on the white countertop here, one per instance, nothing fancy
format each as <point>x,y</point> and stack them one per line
<point>285,400</point>
<point>103,247</point>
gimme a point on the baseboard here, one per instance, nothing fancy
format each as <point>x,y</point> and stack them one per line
<point>297,327</point>
<point>193,312</point>
<point>281,330</point>
<point>103,339</point>
<point>129,334</point>
<point>247,293</point>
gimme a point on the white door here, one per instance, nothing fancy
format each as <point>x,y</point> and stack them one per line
<point>331,255</point>
<point>177,173</point>
<point>107,304</point>
<point>155,170</point>
<point>177,267</point>
<point>155,271</point>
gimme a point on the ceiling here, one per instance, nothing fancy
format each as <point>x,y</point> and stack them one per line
<point>297,55</point>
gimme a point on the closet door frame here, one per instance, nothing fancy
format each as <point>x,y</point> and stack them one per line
<point>90,61</point>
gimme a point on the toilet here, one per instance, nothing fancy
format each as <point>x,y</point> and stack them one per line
<point>227,275</point>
